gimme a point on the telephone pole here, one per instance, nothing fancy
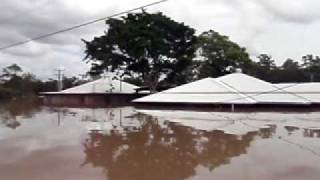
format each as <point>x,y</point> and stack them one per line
<point>60,78</point>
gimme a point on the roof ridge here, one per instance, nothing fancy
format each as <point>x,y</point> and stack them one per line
<point>231,88</point>
<point>283,89</point>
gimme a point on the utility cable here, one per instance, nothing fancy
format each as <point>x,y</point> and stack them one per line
<point>78,26</point>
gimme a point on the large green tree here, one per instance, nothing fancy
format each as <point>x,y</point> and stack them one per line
<point>149,46</point>
<point>220,55</point>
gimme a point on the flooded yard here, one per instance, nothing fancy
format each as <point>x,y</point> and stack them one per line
<point>123,143</point>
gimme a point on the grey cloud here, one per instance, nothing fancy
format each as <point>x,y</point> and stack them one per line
<point>298,11</point>
<point>53,18</point>
<point>34,49</point>
<point>251,23</point>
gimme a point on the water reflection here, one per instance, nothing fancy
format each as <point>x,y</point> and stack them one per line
<point>168,150</point>
<point>11,111</point>
<point>154,145</point>
<point>111,120</point>
<point>126,143</point>
<point>312,133</point>
<point>291,129</point>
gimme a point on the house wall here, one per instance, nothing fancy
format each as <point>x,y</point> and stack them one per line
<point>230,107</point>
<point>89,100</point>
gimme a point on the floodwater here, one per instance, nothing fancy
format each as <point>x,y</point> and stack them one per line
<point>122,143</point>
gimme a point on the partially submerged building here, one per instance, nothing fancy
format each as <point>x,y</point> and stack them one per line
<point>309,91</point>
<point>231,90</point>
<point>101,92</point>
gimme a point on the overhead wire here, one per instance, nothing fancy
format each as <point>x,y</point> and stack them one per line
<point>267,92</point>
<point>78,26</point>
<point>255,94</point>
<point>302,147</point>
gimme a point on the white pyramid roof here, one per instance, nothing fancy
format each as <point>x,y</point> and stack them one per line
<point>207,91</point>
<point>244,83</point>
<point>310,91</point>
<point>284,86</point>
<point>236,88</point>
<point>300,87</point>
<point>102,85</point>
<point>259,90</point>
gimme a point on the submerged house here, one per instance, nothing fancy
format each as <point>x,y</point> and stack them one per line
<point>101,92</point>
<point>310,91</point>
<point>233,90</point>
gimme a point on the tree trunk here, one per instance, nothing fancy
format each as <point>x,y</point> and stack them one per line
<point>152,81</point>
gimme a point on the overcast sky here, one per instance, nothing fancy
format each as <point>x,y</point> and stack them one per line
<point>281,28</point>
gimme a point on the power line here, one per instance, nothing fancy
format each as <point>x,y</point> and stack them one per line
<point>277,89</point>
<point>78,26</point>
<point>254,94</point>
<point>302,147</point>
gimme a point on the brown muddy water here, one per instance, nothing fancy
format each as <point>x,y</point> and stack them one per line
<point>122,143</point>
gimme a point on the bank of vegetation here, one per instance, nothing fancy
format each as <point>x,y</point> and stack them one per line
<point>15,83</point>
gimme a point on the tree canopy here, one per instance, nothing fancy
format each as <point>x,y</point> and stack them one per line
<point>149,46</point>
<point>11,71</point>
<point>220,55</point>
<point>153,49</point>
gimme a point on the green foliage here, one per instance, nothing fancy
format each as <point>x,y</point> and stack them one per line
<point>265,68</point>
<point>266,62</point>
<point>289,71</point>
<point>311,66</point>
<point>143,44</point>
<point>8,93</point>
<point>11,71</point>
<point>221,55</point>
<point>134,80</point>
<point>14,83</point>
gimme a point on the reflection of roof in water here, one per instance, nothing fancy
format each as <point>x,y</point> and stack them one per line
<point>127,119</point>
<point>236,88</point>
<point>236,123</point>
<point>110,119</point>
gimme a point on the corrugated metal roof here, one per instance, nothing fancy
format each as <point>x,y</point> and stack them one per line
<point>300,87</point>
<point>310,91</point>
<point>258,90</point>
<point>102,85</point>
<point>207,91</point>
<point>236,88</point>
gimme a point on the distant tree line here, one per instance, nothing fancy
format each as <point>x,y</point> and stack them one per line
<point>308,70</point>
<point>15,83</point>
<point>154,50</point>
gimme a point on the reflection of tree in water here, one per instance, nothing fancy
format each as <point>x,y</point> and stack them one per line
<point>168,151</point>
<point>267,132</point>
<point>291,129</point>
<point>312,133</point>
<point>10,110</point>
